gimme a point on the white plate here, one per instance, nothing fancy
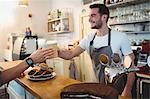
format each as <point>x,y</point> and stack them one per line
<point>41,79</point>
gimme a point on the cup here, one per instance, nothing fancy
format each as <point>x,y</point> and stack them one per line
<point>53,45</point>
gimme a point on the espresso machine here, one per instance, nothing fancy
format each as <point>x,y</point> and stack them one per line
<point>24,46</point>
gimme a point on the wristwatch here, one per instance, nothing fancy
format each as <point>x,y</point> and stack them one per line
<point>29,61</point>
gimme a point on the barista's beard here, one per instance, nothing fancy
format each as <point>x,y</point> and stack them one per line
<point>97,26</point>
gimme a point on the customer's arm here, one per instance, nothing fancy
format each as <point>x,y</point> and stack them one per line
<point>38,56</point>
<point>13,72</point>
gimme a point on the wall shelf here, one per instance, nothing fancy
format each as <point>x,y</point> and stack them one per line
<point>126,3</point>
<point>60,25</point>
<point>60,21</point>
<point>131,22</point>
<point>137,32</point>
<point>59,32</point>
<point>57,19</point>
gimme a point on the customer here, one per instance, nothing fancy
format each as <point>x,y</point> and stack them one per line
<point>38,56</point>
<point>104,41</point>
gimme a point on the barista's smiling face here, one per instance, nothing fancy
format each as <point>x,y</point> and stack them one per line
<point>95,19</point>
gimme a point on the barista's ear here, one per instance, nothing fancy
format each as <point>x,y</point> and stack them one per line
<point>104,17</point>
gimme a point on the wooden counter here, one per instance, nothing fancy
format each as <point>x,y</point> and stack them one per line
<point>49,89</point>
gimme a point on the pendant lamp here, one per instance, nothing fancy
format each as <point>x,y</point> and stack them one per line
<point>23,3</point>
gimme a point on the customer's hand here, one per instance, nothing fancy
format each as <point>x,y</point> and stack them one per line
<point>41,55</point>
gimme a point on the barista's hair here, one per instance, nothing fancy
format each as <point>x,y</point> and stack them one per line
<point>102,9</point>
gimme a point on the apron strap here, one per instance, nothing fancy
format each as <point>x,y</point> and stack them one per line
<point>91,42</point>
<point>109,36</point>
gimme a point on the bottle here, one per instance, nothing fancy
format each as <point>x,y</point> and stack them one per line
<point>58,13</point>
<point>28,31</point>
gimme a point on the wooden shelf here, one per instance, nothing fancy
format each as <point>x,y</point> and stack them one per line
<point>60,25</point>
<point>126,3</point>
<point>59,32</point>
<point>57,19</point>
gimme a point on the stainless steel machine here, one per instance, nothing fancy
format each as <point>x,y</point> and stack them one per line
<point>24,46</point>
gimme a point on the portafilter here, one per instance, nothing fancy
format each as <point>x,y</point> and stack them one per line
<point>112,71</point>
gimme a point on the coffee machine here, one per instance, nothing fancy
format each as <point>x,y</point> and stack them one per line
<point>24,46</point>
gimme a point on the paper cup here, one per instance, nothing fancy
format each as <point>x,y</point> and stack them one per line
<point>53,45</point>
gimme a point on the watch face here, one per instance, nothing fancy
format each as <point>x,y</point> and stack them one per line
<point>29,61</point>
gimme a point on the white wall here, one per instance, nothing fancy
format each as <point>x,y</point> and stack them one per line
<point>7,21</point>
<point>14,19</point>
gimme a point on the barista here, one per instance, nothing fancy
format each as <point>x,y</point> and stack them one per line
<point>104,41</point>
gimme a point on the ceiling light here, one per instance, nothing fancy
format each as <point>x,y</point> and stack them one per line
<point>23,3</point>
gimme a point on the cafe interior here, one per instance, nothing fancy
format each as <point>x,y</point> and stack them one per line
<point>28,25</point>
